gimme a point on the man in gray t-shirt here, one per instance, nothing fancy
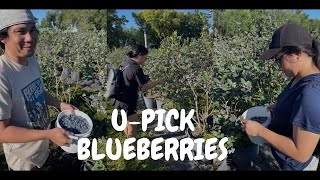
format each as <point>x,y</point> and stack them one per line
<point>24,117</point>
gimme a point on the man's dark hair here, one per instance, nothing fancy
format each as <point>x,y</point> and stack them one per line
<point>3,34</point>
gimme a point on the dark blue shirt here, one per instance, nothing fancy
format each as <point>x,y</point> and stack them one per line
<point>298,105</point>
<point>134,78</point>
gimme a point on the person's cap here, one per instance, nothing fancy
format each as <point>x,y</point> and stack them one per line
<point>10,17</point>
<point>287,35</point>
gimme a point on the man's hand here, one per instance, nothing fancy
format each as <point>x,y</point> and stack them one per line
<point>66,106</point>
<point>60,137</point>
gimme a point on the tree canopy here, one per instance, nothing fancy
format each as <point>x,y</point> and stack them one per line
<point>158,24</point>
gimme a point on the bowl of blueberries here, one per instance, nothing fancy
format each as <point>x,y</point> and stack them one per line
<point>79,123</point>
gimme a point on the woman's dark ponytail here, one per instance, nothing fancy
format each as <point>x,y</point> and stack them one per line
<point>130,54</point>
<point>136,50</point>
<point>316,47</point>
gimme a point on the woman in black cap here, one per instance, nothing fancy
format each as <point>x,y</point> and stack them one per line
<point>295,127</point>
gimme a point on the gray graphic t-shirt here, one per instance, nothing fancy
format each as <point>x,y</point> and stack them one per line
<point>22,99</point>
<point>34,98</point>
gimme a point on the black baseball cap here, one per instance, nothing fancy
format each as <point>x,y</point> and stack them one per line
<point>287,35</point>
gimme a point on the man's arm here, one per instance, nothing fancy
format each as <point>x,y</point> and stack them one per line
<point>15,134</point>
<point>52,101</point>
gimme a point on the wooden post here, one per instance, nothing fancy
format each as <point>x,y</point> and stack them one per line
<point>145,39</point>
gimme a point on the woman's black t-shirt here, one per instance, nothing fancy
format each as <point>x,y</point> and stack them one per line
<point>134,78</point>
